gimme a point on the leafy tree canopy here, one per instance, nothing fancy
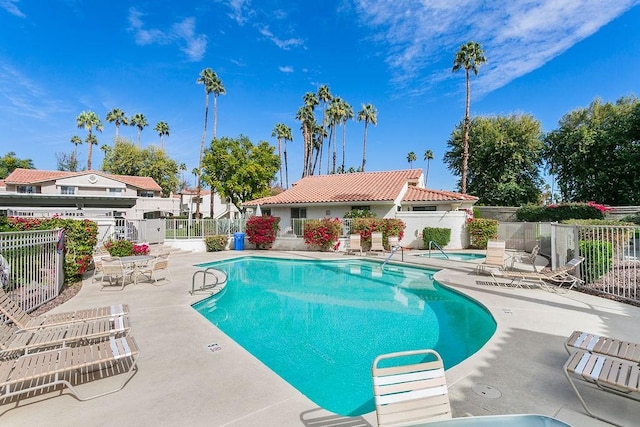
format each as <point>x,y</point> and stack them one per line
<point>505,154</point>
<point>67,162</point>
<point>126,158</point>
<point>595,147</point>
<point>239,170</point>
<point>9,162</point>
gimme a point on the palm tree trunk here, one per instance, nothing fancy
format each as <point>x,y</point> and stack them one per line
<point>280,157</point>
<point>329,149</point>
<point>89,151</point>
<point>465,141</point>
<point>427,176</point>
<point>364,146</point>
<point>204,135</point>
<point>215,115</point>
<point>344,143</point>
<point>286,166</point>
<point>334,152</point>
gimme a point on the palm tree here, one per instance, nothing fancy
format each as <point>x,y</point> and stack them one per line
<point>207,77</point>
<point>140,121</point>
<point>428,156</point>
<point>411,157</point>
<point>218,89</point>
<point>89,120</point>
<point>75,140</point>
<point>334,115</point>
<point>347,114</point>
<point>286,136</point>
<point>470,57</point>
<point>324,95</point>
<point>91,141</point>
<point>118,117</point>
<point>368,114</point>
<point>310,102</point>
<point>163,129</point>
<point>278,131</point>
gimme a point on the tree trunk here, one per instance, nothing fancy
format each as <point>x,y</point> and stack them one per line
<point>364,146</point>
<point>204,135</point>
<point>465,141</point>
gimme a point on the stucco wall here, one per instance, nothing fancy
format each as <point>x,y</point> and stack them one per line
<point>416,221</point>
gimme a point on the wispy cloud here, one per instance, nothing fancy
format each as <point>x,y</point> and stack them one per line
<point>25,97</point>
<point>517,37</point>
<point>286,69</point>
<point>181,34</point>
<point>11,6</point>
<point>285,44</point>
<point>240,10</point>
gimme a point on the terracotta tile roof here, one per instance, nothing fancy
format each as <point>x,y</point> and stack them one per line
<point>344,188</point>
<point>2,184</point>
<point>415,194</point>
<point>34,176</point>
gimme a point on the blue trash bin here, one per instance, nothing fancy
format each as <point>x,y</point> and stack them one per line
<point>238,241</point>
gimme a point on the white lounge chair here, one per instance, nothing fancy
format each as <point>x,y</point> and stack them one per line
<point>355,244</point>
<point>376,242</point>
<point>494,257</point>
<point>593,343</point>
<point>410,393</point>
<point>157,265</point>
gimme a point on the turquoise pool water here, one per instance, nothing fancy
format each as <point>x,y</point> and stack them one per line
<point>456,256</point>
<point>320,324</point>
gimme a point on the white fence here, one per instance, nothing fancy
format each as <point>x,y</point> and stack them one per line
<point>199,228</point>
<point>612,253</point>
<point>32,266</point>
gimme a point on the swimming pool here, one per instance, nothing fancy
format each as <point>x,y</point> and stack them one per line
<point>320,324</point>
<point>454,256</point>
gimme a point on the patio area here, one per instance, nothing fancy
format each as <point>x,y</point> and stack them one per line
<point>182,382</point>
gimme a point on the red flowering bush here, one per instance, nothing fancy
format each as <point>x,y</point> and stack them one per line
<point>323,233</point>
<point>262,230</point>
<point>388,227</point>
<point>141,249</point>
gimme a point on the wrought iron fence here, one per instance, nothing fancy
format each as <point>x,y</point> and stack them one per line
<point>31,266</point>
<point>612,253</point>
<point>296,229</point>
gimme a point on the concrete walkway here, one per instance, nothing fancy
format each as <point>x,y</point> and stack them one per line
<point>181,382</point>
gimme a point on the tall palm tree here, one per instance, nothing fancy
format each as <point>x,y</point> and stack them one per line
<point>163,129</point>
<point>140,121</point>
<point>286,136</point>
<point>311,102</point>
<point>75,140</point>
<point>89,121</point>
<point>334,115</point>
<point>118,117</point>
<point>278,131</point>
<point>306,118</point>
<point>470,57</point>
<point>218,89</point>
<point>411,157</point>
<point>428,156</point>
<point>207,76</point>
<point>368,114</point>
<point>347,114</point>
<point>91,141</point>
<point>324,96</point>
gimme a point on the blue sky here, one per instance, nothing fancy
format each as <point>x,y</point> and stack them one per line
<point>545,58</point>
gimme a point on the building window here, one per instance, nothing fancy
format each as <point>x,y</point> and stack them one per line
<point>296,226</point>
<point>28,189</point>
<point>266,212</point>
<point>298,213</point>
<point>144,193</point>
<point>361,208</point>
<point>67,190</point>
<point>115,191</point>
<point>424,208</point>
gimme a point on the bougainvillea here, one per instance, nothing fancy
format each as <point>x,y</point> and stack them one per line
<point>323,233</point>
<point>262,230</point>
<point>388,227</point>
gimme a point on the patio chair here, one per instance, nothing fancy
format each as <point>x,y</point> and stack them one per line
<point>559,277</point>
<point>410,393</point>
<point>494,256</point>
<point>376,242</point>
<point>393,242</point>
<point>24,321</point>
<point>158,264</point>
<point>529,259</point>
<point>354,244</point>
<point>607,373</point>
<point>70,367</point>
<point>14,342</point>
<point>114,271</point>
<point>98,254</point>
<point>593,343</point>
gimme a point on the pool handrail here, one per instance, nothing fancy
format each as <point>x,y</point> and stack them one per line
<point>432,243</point>
<point>211,271</point>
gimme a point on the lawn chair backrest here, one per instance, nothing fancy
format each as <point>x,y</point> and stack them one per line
<point>354,242</point>
<point>495,253</point>
<point>12,311</point>
<point>161,262</point>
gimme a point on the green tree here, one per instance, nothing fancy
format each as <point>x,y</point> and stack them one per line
<point>239,170</point>
<point>218,89</point>
<point>206,78</point>
<point>118,117</point>
<point>89,121</point>
<point>75,140</point>
<point>334,116</point>
<point>66,162</point>
<point>594,147</point>
<point>504,165</point>
<point>281,132</point>
<point>470,57</point>
<point>324,96</point>
<point>125,158</point>
<point>163,129</point>
<point>9,162</point>
<point>411,157</point>
<point>368,114</point>
<point>140,121</point>
<point>428,156</point>
<point>346,114</point>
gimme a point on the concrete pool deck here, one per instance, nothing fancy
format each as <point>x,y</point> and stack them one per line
<point>180,381</point>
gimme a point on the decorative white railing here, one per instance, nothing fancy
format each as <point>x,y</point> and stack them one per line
<point>199,228</point>
<point>32,266</point>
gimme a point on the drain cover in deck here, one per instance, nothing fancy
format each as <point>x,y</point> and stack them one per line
<point>486,391</point>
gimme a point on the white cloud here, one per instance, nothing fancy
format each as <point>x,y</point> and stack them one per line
<point>285,44</point>
<point>517,37</point>
<point>12,7</point>
<point>286,69</point>
<point>181,34</point>
<point>240,10</point>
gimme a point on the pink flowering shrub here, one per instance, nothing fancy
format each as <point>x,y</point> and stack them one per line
<point>323,233</point>
<point>262,230</point>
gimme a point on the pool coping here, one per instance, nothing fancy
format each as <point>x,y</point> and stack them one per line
<point>183,381</point>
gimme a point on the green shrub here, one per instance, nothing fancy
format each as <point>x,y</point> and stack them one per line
<point>635,219</point>
<point>441,236</point>
<point>216,242</point>
<point>119,247</point>
<point>482,230</point>
<point>360,213</point>
<point>598,259</point>
<point>562,212</point>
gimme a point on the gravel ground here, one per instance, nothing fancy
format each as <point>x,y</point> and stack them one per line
<point>68,292</point>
